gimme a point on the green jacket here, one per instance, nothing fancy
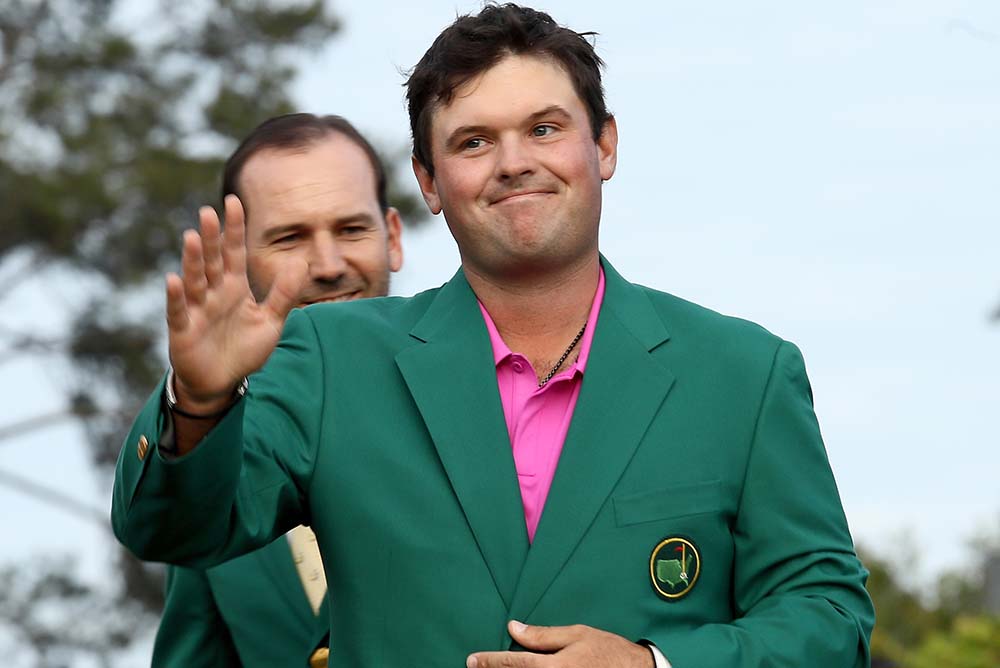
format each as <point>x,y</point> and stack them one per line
<point>379,423</point>
<point>213,618</point>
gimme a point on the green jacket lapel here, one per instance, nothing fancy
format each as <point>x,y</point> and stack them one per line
<point>623,388</point>
<point>453,382</point>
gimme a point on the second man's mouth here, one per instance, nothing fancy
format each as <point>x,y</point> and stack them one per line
<point>339,297</point>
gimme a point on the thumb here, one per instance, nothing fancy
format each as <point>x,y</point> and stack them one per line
<point>285,290</point>
<point>542,638</point>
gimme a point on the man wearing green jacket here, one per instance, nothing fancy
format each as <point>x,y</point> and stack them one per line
<point>317,191</point>
<point>538,464</point>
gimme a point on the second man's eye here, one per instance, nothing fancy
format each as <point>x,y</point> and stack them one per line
<point>542,130</point>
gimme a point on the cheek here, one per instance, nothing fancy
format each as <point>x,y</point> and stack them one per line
<point>580,163</point>
<point>461,186</point>
<point>366,256</point>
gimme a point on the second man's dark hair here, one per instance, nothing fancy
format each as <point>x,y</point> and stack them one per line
<point>298,131</point>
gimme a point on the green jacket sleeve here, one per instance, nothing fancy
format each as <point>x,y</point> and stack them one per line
<point>243,485</point>
<point>798,587</point>
<point>192,633</point>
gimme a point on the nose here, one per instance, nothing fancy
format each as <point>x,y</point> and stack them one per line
<point>326,261</point>
<point>514,159</point>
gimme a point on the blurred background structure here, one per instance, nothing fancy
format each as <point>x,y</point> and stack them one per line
<point>831,172</point>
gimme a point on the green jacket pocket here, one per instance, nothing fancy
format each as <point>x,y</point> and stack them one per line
<point>668,502</point>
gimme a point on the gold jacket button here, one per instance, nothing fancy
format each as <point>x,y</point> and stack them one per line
<point>319,658</point>
<point>142,448</point>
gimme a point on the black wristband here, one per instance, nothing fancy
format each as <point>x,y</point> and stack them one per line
<point>171,400</point>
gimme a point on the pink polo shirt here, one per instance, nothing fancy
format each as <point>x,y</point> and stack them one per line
<point>539,417</point>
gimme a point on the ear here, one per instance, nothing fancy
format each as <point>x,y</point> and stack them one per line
<point>427,187</point>
<point>394,235</point>
<point>607,148</point>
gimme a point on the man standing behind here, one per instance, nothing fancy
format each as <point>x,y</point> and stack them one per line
<point>313,188</point>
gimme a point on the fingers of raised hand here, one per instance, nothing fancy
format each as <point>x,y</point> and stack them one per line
<point>211,245</point>
<point>285,290</point>
<point>193,269</point>
<point>177,314</point>
<point>234,255</point>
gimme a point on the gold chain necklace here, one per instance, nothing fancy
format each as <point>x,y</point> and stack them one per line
<point>562,359</point>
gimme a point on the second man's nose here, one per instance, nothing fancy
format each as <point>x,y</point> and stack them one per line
<point>326,261</point>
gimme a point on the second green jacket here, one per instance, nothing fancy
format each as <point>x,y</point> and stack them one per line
<point>250,612</point>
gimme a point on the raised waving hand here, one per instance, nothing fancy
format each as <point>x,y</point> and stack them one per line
<point>217,331</point>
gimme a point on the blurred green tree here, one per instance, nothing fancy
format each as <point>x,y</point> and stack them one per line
<point>115,118</point>
<point>903,619</point>
<point>971,642</point>
<point>918,623</point>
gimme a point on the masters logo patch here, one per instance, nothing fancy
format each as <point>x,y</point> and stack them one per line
<point>674,567</point>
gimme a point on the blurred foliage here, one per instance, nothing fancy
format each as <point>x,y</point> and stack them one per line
<point>53,620</point>
<point>902,619</point>
<point>942,622</point>
<point>970,642</point>
<point>113,130</point>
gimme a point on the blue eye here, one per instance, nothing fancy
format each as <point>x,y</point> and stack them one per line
<point>542,130</point>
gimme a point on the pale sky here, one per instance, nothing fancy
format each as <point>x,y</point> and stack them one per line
<point>828,170</point>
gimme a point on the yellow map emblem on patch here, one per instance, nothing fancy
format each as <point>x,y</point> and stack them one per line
<point>674,567</point>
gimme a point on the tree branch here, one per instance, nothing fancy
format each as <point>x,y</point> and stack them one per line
<point>42,421</point>
<point>27,344</point>
<point>54,498</point>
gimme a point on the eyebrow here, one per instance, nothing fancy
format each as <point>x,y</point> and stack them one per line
<point>547,112</point>
<point>551,110</point>
<point>280,230</point>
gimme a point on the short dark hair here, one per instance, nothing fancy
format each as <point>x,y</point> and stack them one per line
<point>299,131</point>
<point>473,44</point>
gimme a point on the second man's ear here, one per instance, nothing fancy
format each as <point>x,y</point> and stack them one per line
<point>394,238</point>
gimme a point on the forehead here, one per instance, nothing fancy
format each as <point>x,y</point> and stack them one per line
<point>510,91</point>
<point>332,172</point>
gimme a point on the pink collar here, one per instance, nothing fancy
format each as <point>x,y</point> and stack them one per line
<point>501,351</point>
